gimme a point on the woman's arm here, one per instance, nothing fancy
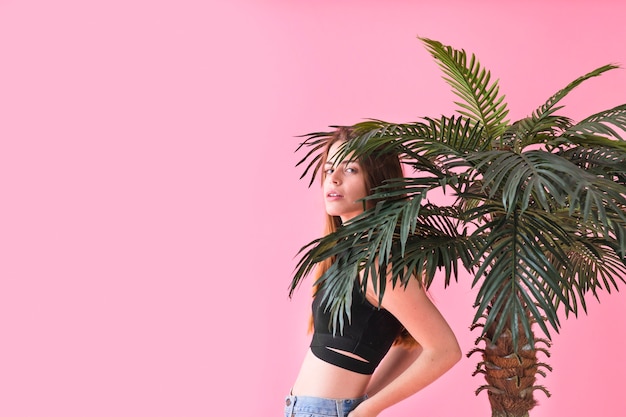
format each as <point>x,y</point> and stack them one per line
<point>439,348</point>
<point>395,362</point>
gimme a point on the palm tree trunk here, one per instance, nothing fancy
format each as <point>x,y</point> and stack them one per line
<point>510,371</point>
<point>511,376</point>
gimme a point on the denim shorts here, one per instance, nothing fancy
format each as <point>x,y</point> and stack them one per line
<point>299,406</point>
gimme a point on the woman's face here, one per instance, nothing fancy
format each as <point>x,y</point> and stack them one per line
<point>344,185</point>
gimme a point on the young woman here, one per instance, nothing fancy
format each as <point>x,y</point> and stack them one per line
<point>406,341</point>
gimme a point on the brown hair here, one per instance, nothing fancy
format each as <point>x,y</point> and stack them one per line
<point>377,168</point>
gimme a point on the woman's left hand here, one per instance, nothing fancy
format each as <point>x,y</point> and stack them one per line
<point>362,410</point>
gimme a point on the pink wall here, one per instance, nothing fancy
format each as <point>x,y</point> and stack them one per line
<point>151,210</point>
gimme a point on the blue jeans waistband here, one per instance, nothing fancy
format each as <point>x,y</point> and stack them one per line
<point>295,404</point>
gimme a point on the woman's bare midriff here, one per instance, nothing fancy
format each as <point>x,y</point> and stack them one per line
<point>321,379</point>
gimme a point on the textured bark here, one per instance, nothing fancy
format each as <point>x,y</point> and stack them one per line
<point>511,373</point>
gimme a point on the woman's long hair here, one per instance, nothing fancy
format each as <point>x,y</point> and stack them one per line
<point>377,168</point>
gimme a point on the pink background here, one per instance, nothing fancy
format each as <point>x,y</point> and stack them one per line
<point>151,210</point>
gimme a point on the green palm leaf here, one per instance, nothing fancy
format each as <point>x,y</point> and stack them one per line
<point>600,124</point>
<point>472,83</point>
<point>513,267</point>
<point>315,143</point>
<point>549,181</point>
<point>549,107</point>
<point>532,130</point>
<point>602,161</point>
<point>592,265</point>
<point>429,139</point>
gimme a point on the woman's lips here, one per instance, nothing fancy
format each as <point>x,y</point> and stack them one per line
<point>333,195</point>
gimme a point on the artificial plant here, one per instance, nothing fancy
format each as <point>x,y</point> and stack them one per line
<point>537,216</point>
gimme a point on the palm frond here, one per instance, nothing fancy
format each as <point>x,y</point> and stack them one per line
<point>424,139</point>
<point>602,161</point>
<point>600,124</point>
<point>549,181</point>
<point>532,130</point>
<point>405,238</point>
<point>592,265</point>
<point>338,282</point>
<point>433,146</point>
<point>481,97</point>
<point>515,264</point>
<point>315,143</point>
<point>549,107</point>
<point>373,231</point>
<point>439,242</point>
<point>522,178</point>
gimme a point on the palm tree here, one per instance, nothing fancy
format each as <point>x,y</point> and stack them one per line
<point>537,216</point>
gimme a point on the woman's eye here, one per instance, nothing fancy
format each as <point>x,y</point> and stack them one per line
<point>350,170</point>
<point>329,171</point>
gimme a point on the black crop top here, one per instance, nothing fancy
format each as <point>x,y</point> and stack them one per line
<point>369,335</point>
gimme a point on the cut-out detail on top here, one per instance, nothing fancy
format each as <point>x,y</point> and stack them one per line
<point>348,354</point>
